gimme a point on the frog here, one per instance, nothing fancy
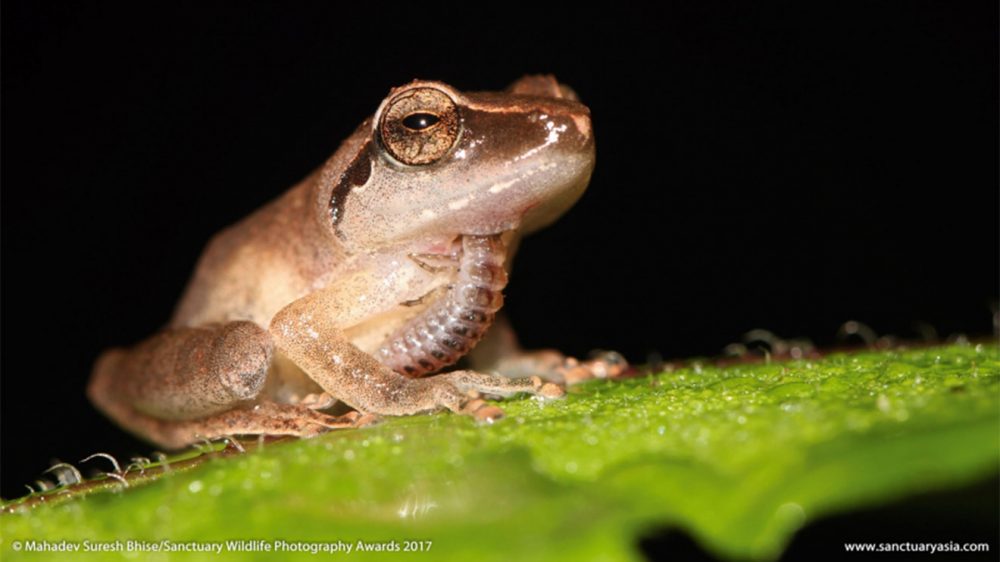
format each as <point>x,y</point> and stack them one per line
<point>347,298</point>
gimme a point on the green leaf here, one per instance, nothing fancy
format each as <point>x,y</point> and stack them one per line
<point>739,456</point>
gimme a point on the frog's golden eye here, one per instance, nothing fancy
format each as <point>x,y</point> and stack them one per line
<point>419,126</point>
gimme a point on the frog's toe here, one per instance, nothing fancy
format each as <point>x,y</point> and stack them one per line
<point>482,411</point>
<point>318,422</point>
<point>355,419</point>
<point>472,384</point>
<point>606,364</point>
<point>549,389</point>
<point>601,365</point>
<point>463,392</point>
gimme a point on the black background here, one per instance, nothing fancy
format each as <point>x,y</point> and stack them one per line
<point>776,167</point>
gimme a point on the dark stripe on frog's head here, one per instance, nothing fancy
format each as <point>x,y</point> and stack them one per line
<point>355,174</point>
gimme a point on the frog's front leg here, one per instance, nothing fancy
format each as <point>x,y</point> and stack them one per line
<point>500,352</point>
<point>190,383</point>
<point>313,340</point>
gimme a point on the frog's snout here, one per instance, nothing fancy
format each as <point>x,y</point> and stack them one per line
<point>583,128</point>
<point>547,86</point>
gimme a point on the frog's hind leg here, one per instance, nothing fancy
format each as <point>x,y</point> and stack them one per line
<point>185,384</point>
<point>499,352</point>
<point>267,418</point>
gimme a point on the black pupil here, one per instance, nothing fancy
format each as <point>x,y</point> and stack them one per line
<point>420,121</point>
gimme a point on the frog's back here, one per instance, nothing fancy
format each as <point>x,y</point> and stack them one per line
<point>253,268</point>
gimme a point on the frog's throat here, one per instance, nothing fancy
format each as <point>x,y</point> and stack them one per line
<point>448,328</point>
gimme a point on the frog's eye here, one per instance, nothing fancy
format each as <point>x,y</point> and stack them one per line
<point>419,126</point>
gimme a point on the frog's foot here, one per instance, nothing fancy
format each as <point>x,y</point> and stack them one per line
<point>474,384</point>
<point>258,419</point>
<point>553,366</point>
<point>463,391</point>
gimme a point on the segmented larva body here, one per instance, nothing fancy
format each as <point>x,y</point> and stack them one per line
<point>453,324</point>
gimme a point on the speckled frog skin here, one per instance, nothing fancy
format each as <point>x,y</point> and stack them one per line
<point>358,287</point>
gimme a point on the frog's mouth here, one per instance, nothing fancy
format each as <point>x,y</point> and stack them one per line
<point>455,322</point>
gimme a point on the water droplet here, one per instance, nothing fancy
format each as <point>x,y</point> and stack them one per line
<point>195,487</point>
<point>882,403</point>
<point>791,515</point>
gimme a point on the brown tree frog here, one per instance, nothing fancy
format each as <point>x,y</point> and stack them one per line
<point>355,288</point>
